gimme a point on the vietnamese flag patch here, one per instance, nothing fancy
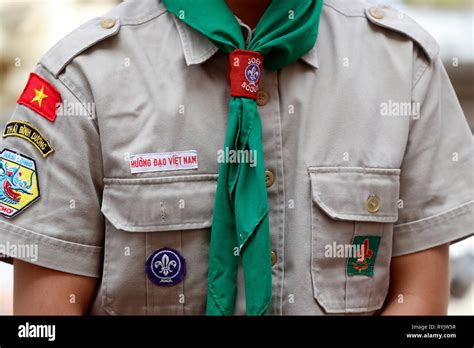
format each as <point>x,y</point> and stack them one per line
<point>41,97</point>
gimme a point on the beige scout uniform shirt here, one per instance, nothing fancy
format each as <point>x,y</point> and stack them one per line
<point>345,157</point>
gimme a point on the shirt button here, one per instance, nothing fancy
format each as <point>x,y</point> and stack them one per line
<point>373,203</point>
<point>107,23</point>
<point>376,13</point>
<point>262,98</point>
<point>274,257</point>
<point>269,178</point>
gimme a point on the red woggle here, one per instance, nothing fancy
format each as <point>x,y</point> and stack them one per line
<point>245,69</point>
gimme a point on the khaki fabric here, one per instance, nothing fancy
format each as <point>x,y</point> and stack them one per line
<point>333,135</point>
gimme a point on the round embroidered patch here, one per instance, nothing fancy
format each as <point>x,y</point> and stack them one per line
<point>252,73</point>
<point>165,267</point>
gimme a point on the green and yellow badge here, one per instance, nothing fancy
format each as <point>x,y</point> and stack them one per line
<point>24,130</point>
<point>364,261</point>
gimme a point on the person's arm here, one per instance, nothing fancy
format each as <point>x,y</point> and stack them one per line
<point>62,228</point>
<point>42,291</point>
<point>419,283</point>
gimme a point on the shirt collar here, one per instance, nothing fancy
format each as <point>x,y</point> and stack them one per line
<point>198,49</point>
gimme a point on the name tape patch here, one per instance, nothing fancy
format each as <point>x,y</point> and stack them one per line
<point>24,130</point>
<point>163,161</point>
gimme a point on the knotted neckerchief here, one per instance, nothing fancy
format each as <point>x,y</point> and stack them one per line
<point>287,30</point>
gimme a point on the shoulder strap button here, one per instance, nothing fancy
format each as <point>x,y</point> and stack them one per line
<point>392,19</point>
<point>107,23</point>
<point>376,13</point>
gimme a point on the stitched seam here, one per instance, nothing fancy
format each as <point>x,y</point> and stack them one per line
<point>184,40</point>
<point>197,223</point>
<point>364,170</point>
<point>187,47</point>
<point>403,31</point>
<point>340,11</point>
<point>149,294</point>
<point>374,275</point>
<point>281,186</point>
<point>61,42</point>
<point>143,19</point>
<point>353,216</point>
<point>419,76</point>
<point>182,283</point>
<point>209,53</point>
<point>430,220</point>
<point>66,82</point>
<point>60,64</point>
<point>161,180</point>
<point>42,238</point>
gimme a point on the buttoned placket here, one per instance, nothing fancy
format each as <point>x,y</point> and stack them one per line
<point>272,146</point>
<point>198,49</point>
<point>269,109</point>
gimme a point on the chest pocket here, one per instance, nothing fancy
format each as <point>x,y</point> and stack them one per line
<point>353,211</point>
<point>147,214</point>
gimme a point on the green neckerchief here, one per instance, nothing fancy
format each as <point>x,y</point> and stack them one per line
<point>287,30</point>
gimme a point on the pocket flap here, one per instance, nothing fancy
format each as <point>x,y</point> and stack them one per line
<point>358,194</point>
<point>160,204</point>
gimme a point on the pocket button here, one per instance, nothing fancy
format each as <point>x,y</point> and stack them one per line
<point>269,178</point>
<point>108,23</point>
<point>274,257</point>
<point>262,98</point>
<point>373,203</point>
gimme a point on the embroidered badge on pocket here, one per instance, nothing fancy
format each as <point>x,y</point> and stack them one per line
<point>165,267</point>
<point>364,262</point>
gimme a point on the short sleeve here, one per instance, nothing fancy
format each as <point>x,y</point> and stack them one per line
<point>62,228</point>
<point>436,183</point>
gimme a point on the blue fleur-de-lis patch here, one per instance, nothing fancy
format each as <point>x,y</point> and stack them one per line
<point>252,73</point>
<point>165,267</point>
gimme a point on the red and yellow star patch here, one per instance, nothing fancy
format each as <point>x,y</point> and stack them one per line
<point>41,97</point>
